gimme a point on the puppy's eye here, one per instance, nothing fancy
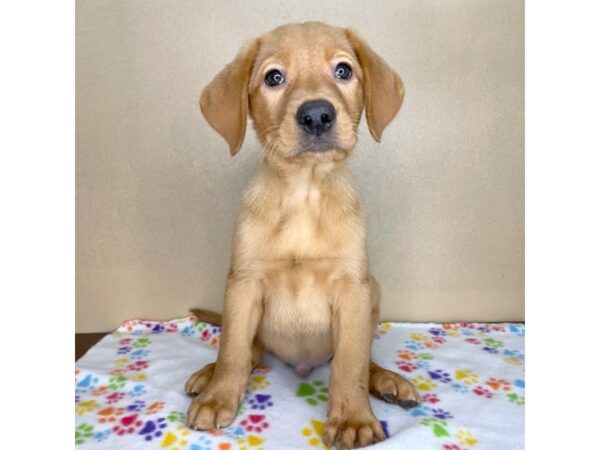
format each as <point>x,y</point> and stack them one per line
<point>343,71</point>
<point>274,78</point>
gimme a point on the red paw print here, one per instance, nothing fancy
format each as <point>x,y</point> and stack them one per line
<point>480,390</point>
<point>406,366</point>
<point>474,341</point>
<point>128,425</point>
<point>138,365</point>
<point>255,422</point>
<point>498,385</point>
<point>115,397</point>
<point>439,339</point>
<point>451,447</point>
<point>430,398</point>
<point>125,341</point>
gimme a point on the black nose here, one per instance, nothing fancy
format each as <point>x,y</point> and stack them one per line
<point>316,116</point>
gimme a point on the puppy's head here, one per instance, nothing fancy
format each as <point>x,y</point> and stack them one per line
<point>305,86</point>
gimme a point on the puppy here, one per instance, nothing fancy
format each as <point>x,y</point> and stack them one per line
<point>299,284</point>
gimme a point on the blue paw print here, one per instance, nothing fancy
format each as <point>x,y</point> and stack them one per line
<point>520,384</point>
<point>412,345</point>
<point>420,411</point>
<point>514,354</point>
<point>86,384</point>
<point>441,414</point>
<point>137,332</point>
<point>188,330</point>
<point>138,405</point>
<point>460,388</point>
<point>203,443</point>
<point>466,332</point>
<point>440,375</point>
<point>138,389</point>
<point>260,401</point>
<point>519,330</point>
<point>101,435</point>
<point>138,354</point>
<point>158,328</point>
<point>153,428</point>
<point>421,364</point>
<point>234,432</point>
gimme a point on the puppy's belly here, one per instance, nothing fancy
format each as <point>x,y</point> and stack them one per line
<point>297,328</point>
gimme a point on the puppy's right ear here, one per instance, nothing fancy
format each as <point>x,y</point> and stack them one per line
<point>224,102</point>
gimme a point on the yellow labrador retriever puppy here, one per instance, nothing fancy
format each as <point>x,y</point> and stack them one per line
<point>299,284</point>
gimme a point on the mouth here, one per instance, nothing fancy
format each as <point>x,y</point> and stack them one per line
<point>318,145</point>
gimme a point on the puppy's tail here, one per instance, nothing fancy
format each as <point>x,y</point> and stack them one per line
<point>207,316</point>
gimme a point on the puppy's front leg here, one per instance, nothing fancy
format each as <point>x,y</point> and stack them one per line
<point>350,421</point>
<point>217,403</point>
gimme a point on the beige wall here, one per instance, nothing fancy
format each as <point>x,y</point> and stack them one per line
<point>157,191</point>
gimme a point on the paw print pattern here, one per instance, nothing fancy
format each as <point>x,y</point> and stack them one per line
<point>83,432</point>
<point>438,427</point>
<point>176,439</point>
<point>138,405</point>
<point>441,414</point>
<point>483,392</point>
<point>255,423</point>
<point>250,443</point>
<point>420,411</point>
<point>516,398</point>
<point>141,342</point>
<point>465,437</point>
<point>114,397</point>
<point>260,401</point>
<point>493,343</point>
<point>440,375</point>
<point>138,354</point>
<point>176,417</point>
<point>82,408</point>
<point>498,385</point>
<point>262,368</point>
<point>430,398</point>
<point>86,384</point>
<point>466,377</point>
<point>154,408</point>
<point>138,365</point>
<point>138,389</point>
<point>100,391</point>
<point>406,366</point>
<point>457,387</point>
<point>117,382</point>
<point>437,331</point>
<point>407,355</point>
<point>103,435</point>
<point>152,429</point>
<point>423,384</point>
<point>313,392</point>
<point>110,414</point>
<point>127,425</point>
<point>203,443</point>
<point>257,383</point>
<point>314,434</point>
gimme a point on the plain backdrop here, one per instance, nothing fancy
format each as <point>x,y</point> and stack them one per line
<point>157,192</point>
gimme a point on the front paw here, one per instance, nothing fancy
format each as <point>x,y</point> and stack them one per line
<point>352,430</point>
<point>213,408</point>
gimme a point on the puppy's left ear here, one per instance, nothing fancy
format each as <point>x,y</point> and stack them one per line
<point>224,102</point>
<point>383,88</point>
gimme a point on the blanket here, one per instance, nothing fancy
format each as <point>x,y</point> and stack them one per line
<point>129,390</point>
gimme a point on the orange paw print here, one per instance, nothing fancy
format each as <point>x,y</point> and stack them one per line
<point>110,414</point>
<point>498,385</point>
<point>407,355</point>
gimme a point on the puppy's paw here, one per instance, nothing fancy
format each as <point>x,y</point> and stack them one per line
<point>393,388</point>
<point>353,430</point>
<point>199,380</point>
<point>211,410</point>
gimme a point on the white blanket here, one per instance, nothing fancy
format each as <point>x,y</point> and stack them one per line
<point>129,390</point>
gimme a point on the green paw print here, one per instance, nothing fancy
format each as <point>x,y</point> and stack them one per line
<point>494,343</point>
<point>83,432</point>
<point>115,383</point>
<point>313,392</point>
<point>141,342</point>
<point>439,427</point>
<point>425,356</point>
<point>176,416</point>
<point>516,398</point>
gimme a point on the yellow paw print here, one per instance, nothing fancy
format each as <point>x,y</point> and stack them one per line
<point>424,384</point>
<point>138,377</point>
<point>85,407</point>
<point>514,360</point>
<point>315,434</point>
<point>466,438</point>
<point>121,362</point>
<point>467,376</point>
<point>176,440</point>
<point>419,337</point>
<point>250,443</point>
<point>258,382</point>
<point>453,333</point>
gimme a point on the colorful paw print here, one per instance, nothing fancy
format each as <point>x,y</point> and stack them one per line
<point>262,368</point>
<point>516,398</point>
<point>141,342</point>
<point>83,432</point>
<point>154,408</point>
<point>457,387</point>
<point>437,331</point>
<point>466,377</point>
<point>138,389</point>
<point>430,398</point>
<point>406,366</point>
<point>87,384</point>
<point>82,408</point>
<point>203,443</point>
<point>440,375</point>
<point>250,443</point>
<point>176,417</point>
<point>103,435</point>
<point>110,414</point>
<point>313,392</point>
<point>114,397</point>
<point>254,423</point>
<point>473,341</point>
<point>438,427</point>
<point>153,429</point>
<point>423,384</point>
<point>257,383</point>
<point>407,355</point>
<point>420,411</point>
<point>100,391</point>
<point>138,405</point>
<point>314,434</point>
<point>498,385</point>
<point>127,425</point>
<point>465,437</point>
<point>483,392</point>
<point>176,439</point>
<point>117,382</point>
<point>260,401</point>
<point>441,414</point>
<point>138,354</point>
<point>138,366</point>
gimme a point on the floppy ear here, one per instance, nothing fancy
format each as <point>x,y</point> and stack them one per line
<point>224,102</point>
<point>383,88</point>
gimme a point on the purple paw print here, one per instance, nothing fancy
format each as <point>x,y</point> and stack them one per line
<point>153,428</point>
<point>490,350</point>
<point>441,414</point>
<point>138,405</point>
<point>123,350</point>
<point>437,332</point>
<point>260,401</point>
<point>440,375</point>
